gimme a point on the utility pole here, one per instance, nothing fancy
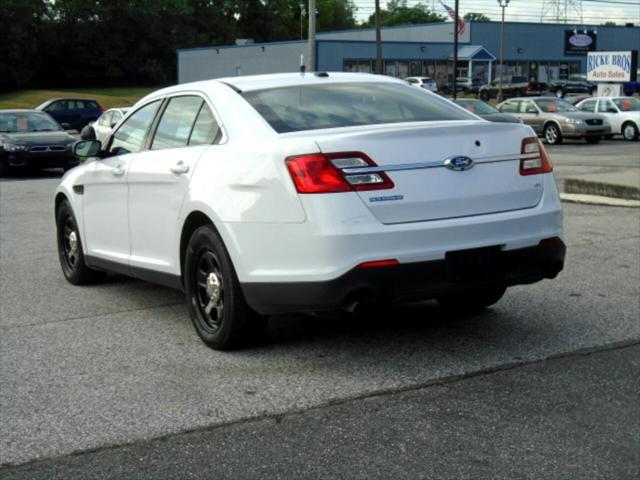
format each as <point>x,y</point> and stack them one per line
<point>311,56</point>
<point>503,4</point>
<point>378,40</point>
<point>455,52</point>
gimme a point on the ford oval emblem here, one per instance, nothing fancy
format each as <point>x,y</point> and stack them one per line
<point>458,164</point>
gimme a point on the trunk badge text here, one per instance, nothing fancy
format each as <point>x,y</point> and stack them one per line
<point>458,164</point>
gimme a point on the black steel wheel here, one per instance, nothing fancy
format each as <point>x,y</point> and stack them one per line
<point>219,312</point>
<point>471,301</point>
<point>70,251</point>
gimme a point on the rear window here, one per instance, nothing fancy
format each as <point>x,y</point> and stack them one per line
<point>334,105</point>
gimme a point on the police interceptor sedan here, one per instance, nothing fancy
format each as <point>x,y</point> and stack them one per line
<point>304,193</point>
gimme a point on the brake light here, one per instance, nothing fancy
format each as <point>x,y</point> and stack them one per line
<point>101,108</point>
<point>329,173</point>
<point>529,86</point>
<point>380,263</point>
<point>535,158</point>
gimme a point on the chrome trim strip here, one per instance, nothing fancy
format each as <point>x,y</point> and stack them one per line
<point>424,165</point>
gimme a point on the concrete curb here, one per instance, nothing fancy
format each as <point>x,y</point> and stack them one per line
<point>599,200</point>
<point>601,189</point>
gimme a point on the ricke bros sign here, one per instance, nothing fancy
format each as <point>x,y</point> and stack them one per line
<point>612,66</point>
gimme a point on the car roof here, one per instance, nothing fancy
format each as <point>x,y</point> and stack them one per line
<point>275,80</point>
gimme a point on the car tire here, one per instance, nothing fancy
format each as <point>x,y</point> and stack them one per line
<point>71,251</point>
<point>471,301</point>
<point>484,96</point>
<point>593,140</point>
<point>629,131</point>
<point>218,309</point>
<point>560,93</point>
<point>552,134</point>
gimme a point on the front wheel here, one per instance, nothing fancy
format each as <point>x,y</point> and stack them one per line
<point>471,301</point>
<point>630,131</point>
<point>592,140</point>
<point>70,250</point>
<point>218,309</point>
<point>552,134</point>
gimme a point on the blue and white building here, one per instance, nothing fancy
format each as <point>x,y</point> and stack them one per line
<point>542,52</point>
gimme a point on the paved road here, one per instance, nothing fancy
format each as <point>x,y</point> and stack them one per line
<point>87,368</point>
<point>576,417</point>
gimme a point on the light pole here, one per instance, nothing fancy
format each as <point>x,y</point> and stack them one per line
<point>503,4</point>
<point>311,56</point>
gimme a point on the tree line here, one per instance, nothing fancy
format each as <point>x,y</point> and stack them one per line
<point>75,43</point>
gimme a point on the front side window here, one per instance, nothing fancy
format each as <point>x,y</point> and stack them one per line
<point>588,106</point>
<point>555,106</point>
<point>527,106</point>
<point>176,123</point>
<point>105,119</point>
<point>131,135</point>
<point>335,105</point>
<point>509,107</point>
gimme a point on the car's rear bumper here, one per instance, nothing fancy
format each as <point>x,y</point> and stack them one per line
<point>412,281</point>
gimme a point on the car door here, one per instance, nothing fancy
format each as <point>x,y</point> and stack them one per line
<point>105,216</point>
<point>529,113</point>
<point>159,180</point>
<point>609,110</point>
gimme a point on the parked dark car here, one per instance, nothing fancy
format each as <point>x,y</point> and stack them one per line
<point>514,86</point>
<point>31,138</point>
<point>486,111</point>
<point>575,84</point>
<point>76,112</point>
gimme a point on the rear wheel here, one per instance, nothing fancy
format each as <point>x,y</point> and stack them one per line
<point>70,249</point>
<point>592,140</point>
<point>552,134</point>
<point>630,131</point>
<point>471,301</point>
<point>218,309</point>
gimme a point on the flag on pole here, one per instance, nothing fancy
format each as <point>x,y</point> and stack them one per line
<point>452,14</point>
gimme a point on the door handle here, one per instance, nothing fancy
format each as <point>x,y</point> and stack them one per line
<point>179,168</point>
<point>118,171</point>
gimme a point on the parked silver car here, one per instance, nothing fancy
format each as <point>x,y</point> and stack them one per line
<point>555,119</point>
<point>423,82</point>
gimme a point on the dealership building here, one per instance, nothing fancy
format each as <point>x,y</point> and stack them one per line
<point>539,51</point>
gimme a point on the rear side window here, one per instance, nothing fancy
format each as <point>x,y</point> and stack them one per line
<point>176,123</point>
<point>91,104</point>
<point>334,105</point>
<point>588,106</point>
<point>206,129</point>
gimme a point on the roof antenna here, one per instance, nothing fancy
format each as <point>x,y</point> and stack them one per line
<point>303,68</point>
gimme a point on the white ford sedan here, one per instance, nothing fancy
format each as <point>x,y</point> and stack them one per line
<point>293,193</point>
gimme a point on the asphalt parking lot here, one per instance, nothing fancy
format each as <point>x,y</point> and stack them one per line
<point>87,369</point>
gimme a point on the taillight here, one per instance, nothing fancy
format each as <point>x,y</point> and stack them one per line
<point>529,87</point>
<point>392,262</point>
<point>535,158</point>
<point>101,108</point>
<point>329,173</point>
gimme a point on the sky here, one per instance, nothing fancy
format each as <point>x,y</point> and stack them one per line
<point>593,11</point>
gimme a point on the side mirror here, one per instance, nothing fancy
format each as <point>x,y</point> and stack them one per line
<point>114,124</point>
<point>87,148</point>
<point>88,133</point>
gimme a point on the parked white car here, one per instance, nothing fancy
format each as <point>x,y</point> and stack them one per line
<point>427,83</point>
<point>289,192</point>
<point>623,113</point>
<point>103,126</point>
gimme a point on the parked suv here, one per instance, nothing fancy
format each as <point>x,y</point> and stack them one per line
<point>512,87</point>
<point>76,112</point>
<point>575,84</point>
<point>253,202</point>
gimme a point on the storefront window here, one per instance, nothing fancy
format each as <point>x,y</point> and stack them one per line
<point>403,68</point>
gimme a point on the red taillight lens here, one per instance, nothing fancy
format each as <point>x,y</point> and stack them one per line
<point>101,108</point>
<point>535,158</point>
<point>379,263</point>
<point>330,173</point>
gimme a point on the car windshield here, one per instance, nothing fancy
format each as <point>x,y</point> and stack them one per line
<point>477,107</point>
<point>549,105</point>
<point>627,104</point>
<point>25,122</point>
<point>334,105</point>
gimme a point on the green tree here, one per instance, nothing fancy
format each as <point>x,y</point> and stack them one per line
<point>398,13</point>
<point>609,23</point>
<point>476,16</point>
